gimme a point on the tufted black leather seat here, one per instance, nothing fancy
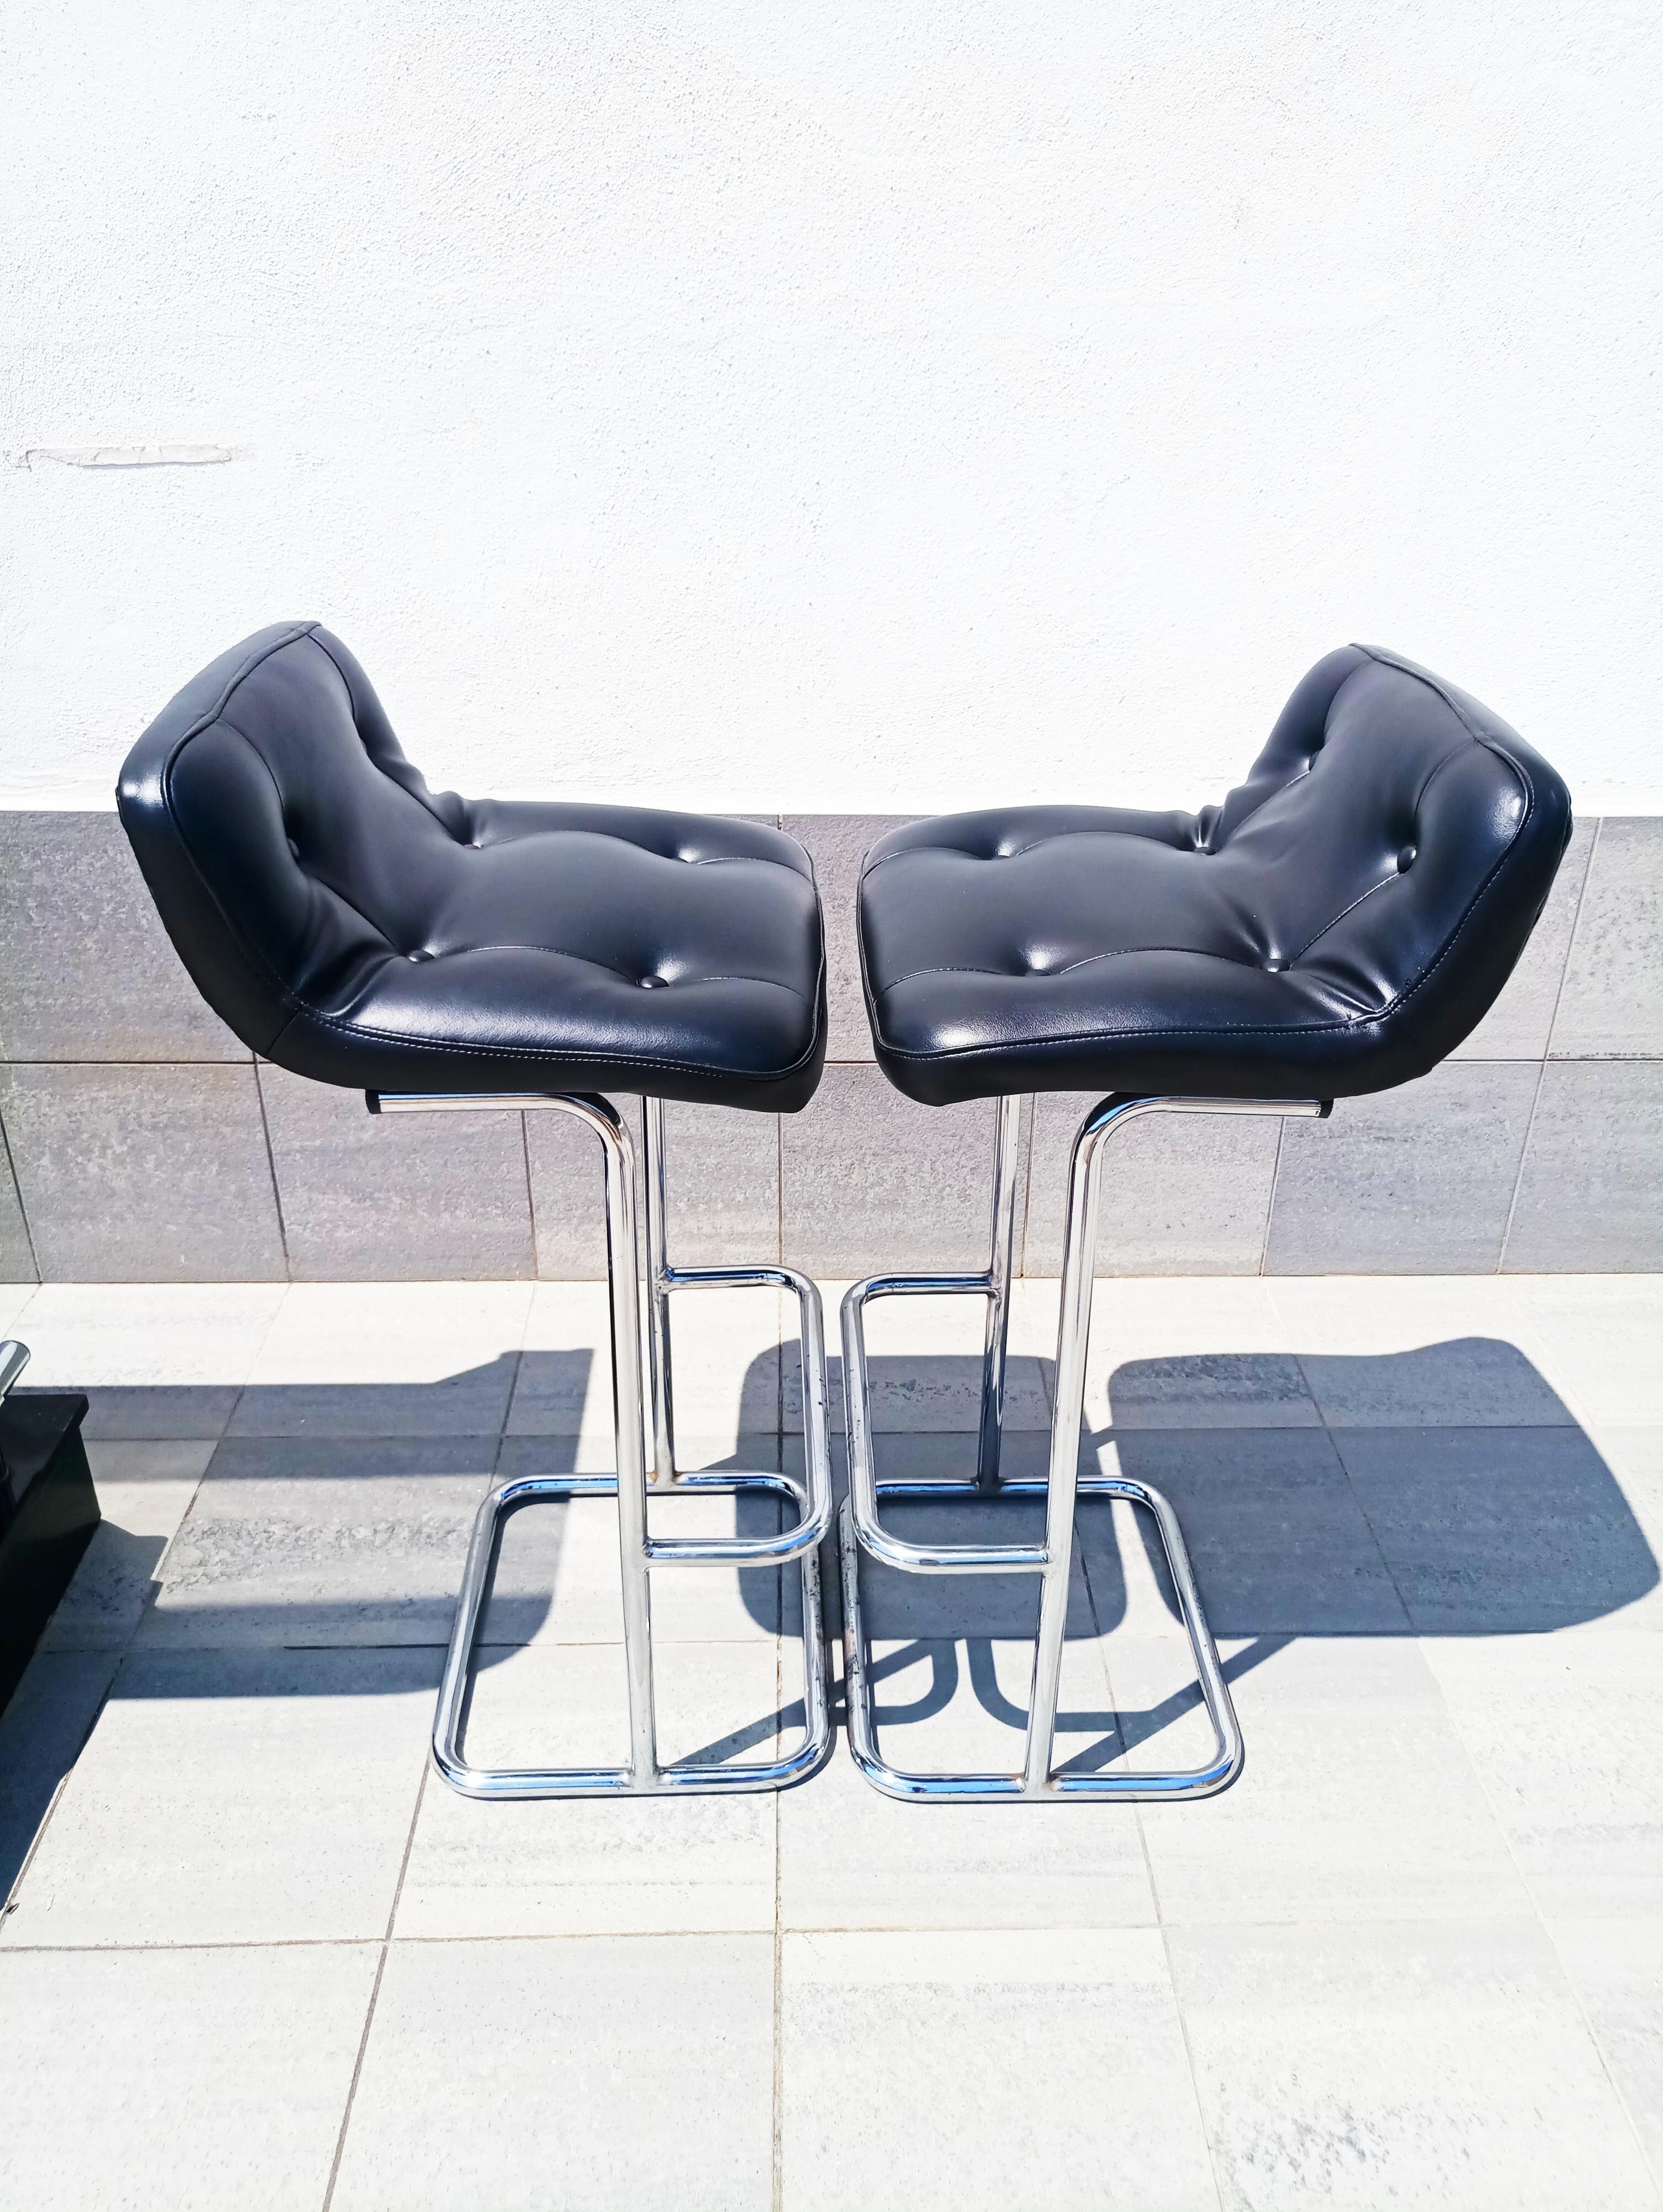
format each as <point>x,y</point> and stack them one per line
<point>1338,925</point>
<point>351,925</point>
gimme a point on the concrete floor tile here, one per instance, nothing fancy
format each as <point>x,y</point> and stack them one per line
<point>161,1360</point>
<point>924,1358</point>
<point>145,1490</point>
<point>1596,1339</point>
<point>235,1797</point>
<point>1192,1353</point>
<point>850,1858</point>
<point>177,2081</point>
<point>1011,2069</point>
<point>602,1865</point>
<point>725,1366</point>
<point>1278,1541</point>
<point>898,1604</point>
<point>1563,1732</point>
<point>1357,1803</point>
<point>1616,1968</point>
<point>1415,2063</point>
<point>1381,1351</point>
<point>606,2073</point>
<point>565,1364</point>
<point>386,1359</point>
<point>556,1578</point>
<point>309,1540</point>
<point>1491,1531</point>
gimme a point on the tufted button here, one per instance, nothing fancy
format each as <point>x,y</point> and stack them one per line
<point>1275,967</point>
<point>1406,859</point>
<point>650,982</point>
<point>293,850</point>
<point>421,953</point>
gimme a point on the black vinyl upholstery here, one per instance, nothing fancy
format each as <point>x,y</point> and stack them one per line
<point>351,925</point>
<point>1341,923</point>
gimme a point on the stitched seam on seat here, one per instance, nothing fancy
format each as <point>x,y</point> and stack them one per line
<point>612,837</point>
<point>310,874</point>
<point>586,960</point>
<point>1457,752</point>
<point>1327,717</point>
<point>1047,974</point>
<point>911,851</point>
<point>1336,919</point>
<point>1384,659</point>
<point>429,804</point>
<point>366,1031</point>
<point>1035,844</point>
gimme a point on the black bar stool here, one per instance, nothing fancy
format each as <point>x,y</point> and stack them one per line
<point>1338,926</point>
<point>450,955</point>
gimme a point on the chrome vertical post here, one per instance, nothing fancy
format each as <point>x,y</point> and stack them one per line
<point>659,1286</point>
<point>1073,1337</point>
<point>1001,1252</point>
<point>623,1259</point>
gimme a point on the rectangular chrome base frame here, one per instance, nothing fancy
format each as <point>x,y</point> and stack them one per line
<point>640,1554</point>
<point>861,1528</point>
<point>1216,1774</point>
<point>520,1782</point>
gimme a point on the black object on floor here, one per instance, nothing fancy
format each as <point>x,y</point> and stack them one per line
<point>48,1512</point>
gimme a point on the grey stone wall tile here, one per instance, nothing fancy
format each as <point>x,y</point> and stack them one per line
<point>16,1252</point>
<point>869,1181</point>
<point>1183,1193</point>
<point>395,1197</point>
<point>1411,1181</point>
<point>837,844</point>
<point>143,1174</point>
<point>723,1172</point>
<point>568,1193</point>
<point>87,972</point>
<point>1612,1001</point>
<point>1591,1195</point>
<point>1517,1025</point>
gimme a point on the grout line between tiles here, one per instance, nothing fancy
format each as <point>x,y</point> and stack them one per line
<point>1270,1206</point>
<point>1519,1173</point>
<point>271,1167</point>
<point>375,1992</point>
<point>1178,2007</point>
<point>22,1210</point>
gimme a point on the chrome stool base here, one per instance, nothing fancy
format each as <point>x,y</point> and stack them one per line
<point>861,1528</point>
<point>640,1553</point>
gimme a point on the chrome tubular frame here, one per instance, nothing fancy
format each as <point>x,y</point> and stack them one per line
<point>640,1553</point>
<point>861,1529</point>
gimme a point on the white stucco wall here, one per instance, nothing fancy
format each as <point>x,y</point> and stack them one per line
<point>835,406</point>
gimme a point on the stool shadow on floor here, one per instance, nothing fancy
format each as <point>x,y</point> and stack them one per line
<point>1444,1490</point>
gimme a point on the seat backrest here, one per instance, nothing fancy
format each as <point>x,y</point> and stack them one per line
<point>281,829</point>
<point>1395,839</point>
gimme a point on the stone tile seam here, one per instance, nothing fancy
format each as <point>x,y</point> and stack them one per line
<point>637,1934</point>
<point>375,1992</point>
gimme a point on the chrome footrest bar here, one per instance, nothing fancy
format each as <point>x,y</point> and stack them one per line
<point>861,1528</point>
<point>640,1553</point>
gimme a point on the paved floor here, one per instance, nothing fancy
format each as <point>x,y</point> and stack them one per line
<point>256,1955</point>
